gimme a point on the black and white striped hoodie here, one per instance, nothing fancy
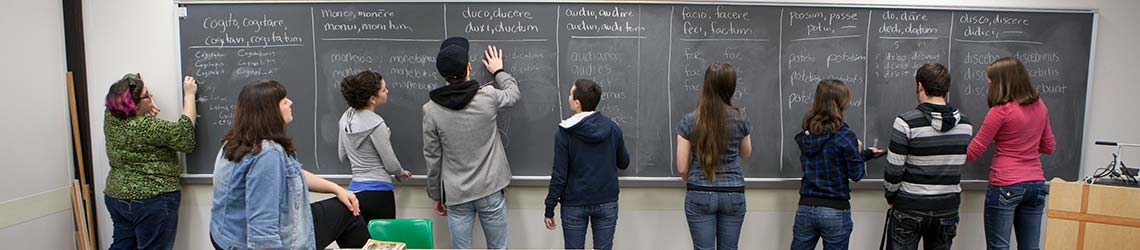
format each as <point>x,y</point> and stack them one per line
<point>926,155</point>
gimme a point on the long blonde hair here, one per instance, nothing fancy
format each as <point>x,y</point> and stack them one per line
<point>710,136</point>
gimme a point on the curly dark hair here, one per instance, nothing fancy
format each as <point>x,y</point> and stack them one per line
<point>358,88</point>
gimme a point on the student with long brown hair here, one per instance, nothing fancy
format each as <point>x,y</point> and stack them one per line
<point>712,140</point>
<point>830,154</point>
<point>1018,124</point>
<point>261,192</point>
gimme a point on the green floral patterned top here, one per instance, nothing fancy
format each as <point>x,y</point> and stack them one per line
<point>142,155</point>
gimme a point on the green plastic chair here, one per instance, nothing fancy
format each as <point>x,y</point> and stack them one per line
<point>416,233</point>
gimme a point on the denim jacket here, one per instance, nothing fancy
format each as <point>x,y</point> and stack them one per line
<point>261,202</point>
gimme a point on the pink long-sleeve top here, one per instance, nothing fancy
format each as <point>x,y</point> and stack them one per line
<point>1021,133</point>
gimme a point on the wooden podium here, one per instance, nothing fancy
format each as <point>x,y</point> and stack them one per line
<point>1090,216</point>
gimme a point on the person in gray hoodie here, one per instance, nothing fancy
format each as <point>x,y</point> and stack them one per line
<point>466,162</point>
<point>364,142</point>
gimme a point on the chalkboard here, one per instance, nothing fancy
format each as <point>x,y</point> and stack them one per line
<point>648,58</point>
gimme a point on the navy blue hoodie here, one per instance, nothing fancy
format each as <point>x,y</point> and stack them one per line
<point>587,156</point>
<point>828,162</point>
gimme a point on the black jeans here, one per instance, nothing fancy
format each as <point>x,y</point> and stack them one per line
<point>333,222</point>
<point>377,205</point>
<point>936,229</point>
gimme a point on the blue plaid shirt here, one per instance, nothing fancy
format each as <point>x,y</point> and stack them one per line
<point>828,161</point>
<point>730,174</point>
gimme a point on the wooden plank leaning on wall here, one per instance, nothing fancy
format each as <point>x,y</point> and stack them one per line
<point>82,208</point>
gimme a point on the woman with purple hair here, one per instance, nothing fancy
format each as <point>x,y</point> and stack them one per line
<point>143,193</point>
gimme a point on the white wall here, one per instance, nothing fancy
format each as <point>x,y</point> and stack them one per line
<point>125,37</point>
<point>139,36</point>
<point>36,144</point>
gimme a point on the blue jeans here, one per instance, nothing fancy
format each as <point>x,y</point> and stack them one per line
<point>144,224</point>
<point>1018,206</point>
<point>492,212</point>
<point>575,219</point>
<point>812,223</point>
<point>714,218</point>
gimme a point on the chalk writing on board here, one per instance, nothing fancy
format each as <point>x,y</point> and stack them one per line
<point>228,22</point>
<point>614,12</point>
<point>823,21</point>
<point>724,26</point>
<point>1032,59</point>
<point>1050,88</point>
<point>604,46</point>
<point>422,60</point>
<point>823,44</point>
<point>206,68</point>
<point>358,21</point>
<point>994,26</point>
<point>509,21</point>
<point>209,55</point>
<point>262,31</point>
<point>972,89</point>
<point>412,71</point>
<point>906,23</point>
<point>221,105</point>
<point>602,20</point>
<point>349,57</point>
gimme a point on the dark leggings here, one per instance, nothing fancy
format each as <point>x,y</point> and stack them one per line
<point>377,205</point>
<point>333,222</point>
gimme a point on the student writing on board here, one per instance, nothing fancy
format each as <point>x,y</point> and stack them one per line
<point>711,141</point>
<point>925,161</point>
<point>466,162</point>
<point>589,148</point>
<point>830,153</point>
<point>1018,124</point>
<point>141,150</point>
<point>364,141</point>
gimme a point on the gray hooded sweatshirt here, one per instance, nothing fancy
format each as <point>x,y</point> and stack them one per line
<point>465,157</point>
<point>364,141</point>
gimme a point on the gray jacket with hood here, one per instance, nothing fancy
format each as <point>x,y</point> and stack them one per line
<point>464,154</point>
<point>364,142</point>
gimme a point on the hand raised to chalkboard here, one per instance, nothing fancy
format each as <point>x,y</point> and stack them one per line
<point>189,86</point>
<point>189,99</point>
<point>493,59</point>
